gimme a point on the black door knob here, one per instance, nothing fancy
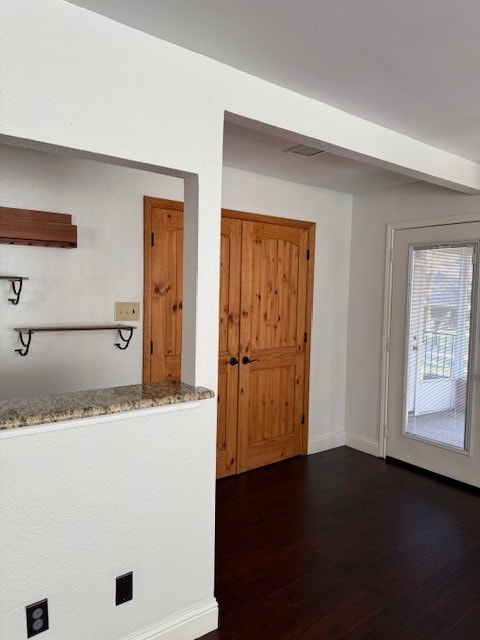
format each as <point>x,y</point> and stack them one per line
<point>233,361</point>
<point>246,360</point>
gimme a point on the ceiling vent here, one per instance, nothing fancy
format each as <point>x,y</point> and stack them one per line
<point>302,150</point>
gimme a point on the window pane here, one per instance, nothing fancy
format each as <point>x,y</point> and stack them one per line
<point>441,281</point>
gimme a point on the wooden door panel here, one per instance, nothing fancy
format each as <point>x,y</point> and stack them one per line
<point>229,316</point>
<point>273,320</point>
<point>229,330</point>
<point>271,404</point>
<point>166,293</point>
<point>227,421</point>
<point>163,313</point>
<point>174,286</point>
<point>274,302</point>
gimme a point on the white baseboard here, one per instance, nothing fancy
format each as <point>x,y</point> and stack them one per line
<point>188,625</point>
<point>367,445</point>
<point>325,442</point>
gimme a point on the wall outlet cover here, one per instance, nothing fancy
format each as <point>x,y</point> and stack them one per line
<point>37,618</point>
<point>124,588</point>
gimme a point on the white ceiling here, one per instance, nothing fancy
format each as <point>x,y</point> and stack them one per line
<point>409,65</point>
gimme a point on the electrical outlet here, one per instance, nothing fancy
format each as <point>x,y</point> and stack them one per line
<point>37,618</point>
<point>124,588</point>
<point>127,311</point>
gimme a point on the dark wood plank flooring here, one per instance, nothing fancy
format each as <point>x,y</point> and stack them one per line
<point>344,545</point>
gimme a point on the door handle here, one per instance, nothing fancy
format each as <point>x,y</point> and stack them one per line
<point>246,360</point>
<point>233,361</point>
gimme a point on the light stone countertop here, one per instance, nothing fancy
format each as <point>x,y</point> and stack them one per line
<point>24,412</point>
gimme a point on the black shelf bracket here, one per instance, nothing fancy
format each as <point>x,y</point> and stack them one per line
<point>17,284</point>
<point>17,290</point>
<point>125,341</point>
<point>26,344</point>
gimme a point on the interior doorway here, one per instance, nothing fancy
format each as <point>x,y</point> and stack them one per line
<point>266,286</point>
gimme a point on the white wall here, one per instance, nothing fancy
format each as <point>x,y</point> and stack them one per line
<point>97,498</point>
<point>331,211</point>
<point>74,286</point>
<point>371,213</point>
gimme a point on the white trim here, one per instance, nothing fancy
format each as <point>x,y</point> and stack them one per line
<point>387,304</point>
<point>435,222</point>
<point>29,430</point>
<point>387,307</point>
<point>325,442</point>
<point>188,625</point>
<point>367,445</point>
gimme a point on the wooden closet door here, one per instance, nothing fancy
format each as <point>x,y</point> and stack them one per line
<point>263,318</point>
<point>272,343</point>
<point>163,290</point>
<point>229,335</point>
<point>163,314</point>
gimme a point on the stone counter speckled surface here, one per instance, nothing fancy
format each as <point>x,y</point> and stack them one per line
<point>24,412</point>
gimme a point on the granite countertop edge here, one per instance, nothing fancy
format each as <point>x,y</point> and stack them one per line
<point>36,410</point>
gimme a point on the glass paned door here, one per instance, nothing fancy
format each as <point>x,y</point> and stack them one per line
<point>438,343</point>
<point>433,417</point>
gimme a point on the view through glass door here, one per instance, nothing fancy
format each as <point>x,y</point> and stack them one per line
<point>433,416</point>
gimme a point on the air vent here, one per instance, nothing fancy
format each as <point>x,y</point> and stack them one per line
<point>302,150</point>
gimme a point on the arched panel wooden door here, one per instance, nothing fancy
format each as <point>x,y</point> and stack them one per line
<point>264,320</point>
<point>272,343</point>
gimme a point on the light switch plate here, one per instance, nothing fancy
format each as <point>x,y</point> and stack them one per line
<point>127,311</point>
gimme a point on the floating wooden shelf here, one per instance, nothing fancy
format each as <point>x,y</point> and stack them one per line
<point>39,228</point>
<point>25,333</point>
<point>17,284</point>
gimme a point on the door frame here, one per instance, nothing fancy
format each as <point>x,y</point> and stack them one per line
<point>177,205</point>
<point>392,228</point>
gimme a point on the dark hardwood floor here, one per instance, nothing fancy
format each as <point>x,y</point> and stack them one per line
<point>344,545</point>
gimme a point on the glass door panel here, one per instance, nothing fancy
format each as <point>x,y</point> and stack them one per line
<point>438,343</point>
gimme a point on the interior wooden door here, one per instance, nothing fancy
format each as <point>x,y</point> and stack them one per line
<point>272,343</point>
<point>264,316</point>
<point>162,345</point>
<point>229,335</point>
<point>163,314</point>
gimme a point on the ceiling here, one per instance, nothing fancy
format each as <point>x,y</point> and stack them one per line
<point>409,65</point>
<point>252,150</point>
